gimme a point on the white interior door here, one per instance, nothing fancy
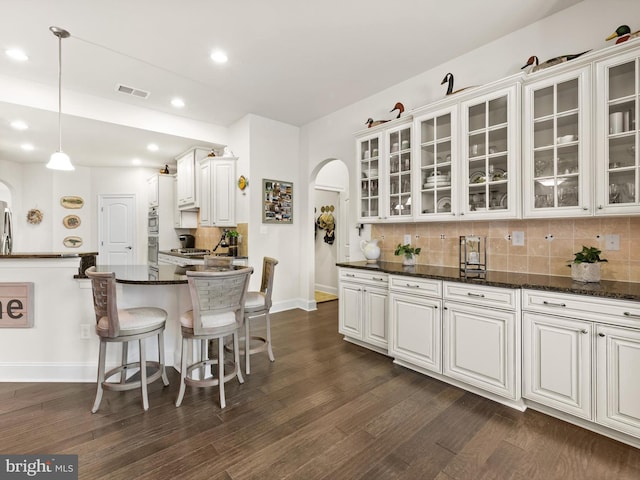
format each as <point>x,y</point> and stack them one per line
<point>116,229</point>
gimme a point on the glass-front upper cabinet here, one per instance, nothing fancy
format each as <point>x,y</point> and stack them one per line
<point>436,135</point>
<point>369,154</point>
<point>398,179</point>
<point>489,170</point>
<point>617,169</point>
<point>556,145</point>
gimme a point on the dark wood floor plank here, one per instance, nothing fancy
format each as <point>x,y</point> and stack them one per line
<point>325,408</point>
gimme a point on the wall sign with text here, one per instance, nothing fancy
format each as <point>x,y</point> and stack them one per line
<point>16,305</point>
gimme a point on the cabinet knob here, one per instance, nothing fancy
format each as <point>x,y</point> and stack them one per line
<point>599,207</point>
<point>584,331</point>
<point>601,334</point>
<point>585,208</point>
<point>461,214</point>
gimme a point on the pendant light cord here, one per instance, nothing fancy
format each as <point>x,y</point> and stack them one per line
<point>59,93</point>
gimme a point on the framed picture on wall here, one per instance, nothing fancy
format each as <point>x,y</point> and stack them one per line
<point>278,201</point>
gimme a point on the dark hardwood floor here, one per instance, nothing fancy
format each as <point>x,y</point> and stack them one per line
<point>326,409</point>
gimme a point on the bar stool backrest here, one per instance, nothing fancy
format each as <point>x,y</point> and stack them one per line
<point>266,287</point>
<point>103,285</point>
<point>217,294</point>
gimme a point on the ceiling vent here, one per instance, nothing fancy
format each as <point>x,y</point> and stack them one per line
<point>136,92</point>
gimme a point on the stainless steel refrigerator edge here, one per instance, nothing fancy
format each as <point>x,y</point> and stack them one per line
<point>6,229</point>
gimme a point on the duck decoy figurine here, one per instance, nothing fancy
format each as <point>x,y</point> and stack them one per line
<point>533,61</point>
<point>448,78</point>
<point>374,123</point>
<point>398,106</point>
<point>623,33</point>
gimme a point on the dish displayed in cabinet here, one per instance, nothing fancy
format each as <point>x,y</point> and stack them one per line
<point>444,204</point>
<point>498,174</point>
<point>567,139</point>
<point>477,177</point>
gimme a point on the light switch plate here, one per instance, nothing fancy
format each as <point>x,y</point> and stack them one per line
<point>517,239</point>
<point>407,239</point>
<point>612,242</point>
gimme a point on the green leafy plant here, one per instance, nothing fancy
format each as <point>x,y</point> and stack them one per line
<point>232,233</point>
<point>406,250</point>
<point>588,255</point>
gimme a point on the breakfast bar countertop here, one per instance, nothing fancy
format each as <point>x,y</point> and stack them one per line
<point>145,275</point>
<point>15,255</point>
<point>551,283</point>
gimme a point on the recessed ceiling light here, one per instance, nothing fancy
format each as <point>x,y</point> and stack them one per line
<point>136,161</point>
<point>27,147</point>
<point>219,56</point>
<point>17,54</point>
<point>152,147</point>
<point>177,102</point>
<point>19,125</point>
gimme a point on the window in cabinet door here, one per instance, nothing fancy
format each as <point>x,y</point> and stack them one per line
<point>399,186</point>
<point>435,164</point>
<point>556,124</point>
<point>369,177</point>
<point>622,167</point>
<point>488,142</point>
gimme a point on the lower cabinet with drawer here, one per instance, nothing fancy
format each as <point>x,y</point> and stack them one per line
<point>581,356</point>
<point>481,338</point>
<point>363,308</point>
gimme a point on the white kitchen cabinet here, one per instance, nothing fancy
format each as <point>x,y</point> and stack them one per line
<point>557,144</point>
<point>217,192</point>
<point>182,218</point>
<point>187,174</point>
<point>557,362</point>
<point>152,191</point>
<point>415,325</point>
<point>618,391</point>
<point>163,187</point>
<point>481,343</point>
<point>618,129</point>
<point>369,173</point>
<point>363,308</point>
<point>398,167</point>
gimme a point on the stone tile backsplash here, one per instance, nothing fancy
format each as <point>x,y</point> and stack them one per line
<point>549,244</point>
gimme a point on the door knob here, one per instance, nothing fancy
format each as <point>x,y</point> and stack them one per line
<point>128,248</point>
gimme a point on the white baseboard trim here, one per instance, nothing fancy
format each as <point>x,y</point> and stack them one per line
<point>326,289</point>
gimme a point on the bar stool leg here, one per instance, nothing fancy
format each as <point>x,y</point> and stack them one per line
<point>124,360</point>
<point>165,379</point>
<point>247,347</point>
<point>143,374</point>
<point>101,372</point>
<point>236,357</point>
<point>221,372</point>
<point>183,372</point>
<point>269,351</point>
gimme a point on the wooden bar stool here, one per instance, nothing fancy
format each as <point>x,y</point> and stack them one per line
<point>217,298</point>
<point>123,326</point>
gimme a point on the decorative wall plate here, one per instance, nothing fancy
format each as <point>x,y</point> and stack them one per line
<point>71,202</point>
<point>243,182</point>
<point>72,242</point>
<point>71,221</point>
<point>34,216</point>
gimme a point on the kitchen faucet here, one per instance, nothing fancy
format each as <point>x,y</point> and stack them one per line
<point>223,240</point>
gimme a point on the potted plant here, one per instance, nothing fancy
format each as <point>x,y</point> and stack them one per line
<point>408,252</point>
<point>585,266</point>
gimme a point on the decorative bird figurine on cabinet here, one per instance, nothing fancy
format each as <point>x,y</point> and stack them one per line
<point>448,79</point>
<point>623,33</point>
<point>374,123</point>
<point>533,61</point>
<point>398,106</point>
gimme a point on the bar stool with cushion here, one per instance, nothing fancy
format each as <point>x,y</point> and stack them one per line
<point>256,305</point>
<point>217,297</point>
<point>122,326</point>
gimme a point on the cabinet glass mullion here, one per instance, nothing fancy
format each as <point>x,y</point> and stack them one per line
<point>622,138</point>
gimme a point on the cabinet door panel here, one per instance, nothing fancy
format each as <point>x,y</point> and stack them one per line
<point>375,315</point>
<point>557,363</point>
<point>618,397</point>
<point>415,331</point>
<point>350,316</point>
<point>480,348</point>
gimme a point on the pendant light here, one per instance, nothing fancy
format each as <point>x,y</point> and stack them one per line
<point>60,160</point>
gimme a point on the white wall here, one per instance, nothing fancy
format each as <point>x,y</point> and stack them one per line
<point>581,27</point>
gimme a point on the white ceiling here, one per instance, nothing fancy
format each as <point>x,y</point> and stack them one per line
<point>289,60</point>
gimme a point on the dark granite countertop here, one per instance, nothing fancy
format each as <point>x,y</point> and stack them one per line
<point>16,255</point>
<point>551,283</point>
<point>196,257</point>
<point>145,275</point>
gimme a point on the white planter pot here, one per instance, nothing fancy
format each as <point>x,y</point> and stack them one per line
<point>585,272</point>
<point>409,260</point>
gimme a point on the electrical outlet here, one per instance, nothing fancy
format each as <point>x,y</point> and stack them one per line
<point>518,239</point>
<point>85,331</point>
<point>407,239</point>
<point>612,242</point>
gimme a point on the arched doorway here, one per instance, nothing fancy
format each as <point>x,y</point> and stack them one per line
<point>331,194</point>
